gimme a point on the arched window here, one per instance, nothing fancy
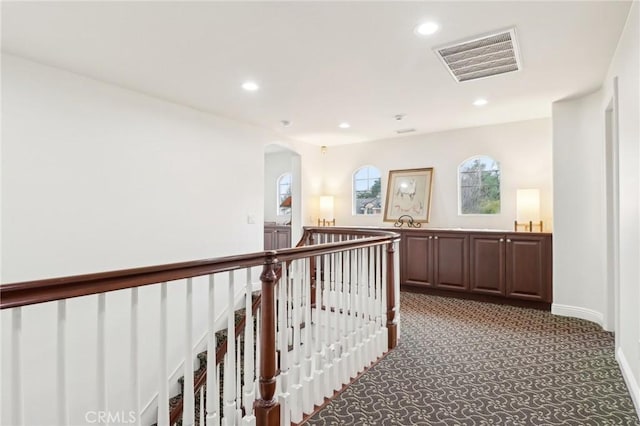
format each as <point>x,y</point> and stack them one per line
<point>479,186</point>
<point>284,194</point>
<point>366,191</point>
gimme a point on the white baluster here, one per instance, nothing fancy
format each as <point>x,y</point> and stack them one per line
<point>362,303</point>
<point>316,315</point>
<point>135,371</point>
<point>16,367</point>
<point>249,368</point>
<point>214,420</point>
<point>238,379</point>
<point>101,366</point>
<point>163,387</point>
<point>336,379</point>
<point>258,347</point>
<point>307,367</point>
<point>229,391</point>
<point>344,332</point>
<point>296,379</point>
<point>327,384</point>
<point>213,402</point>
<point>283,346</point>
<point>353,345</point>
<point>378,300</point>
<point>189,403</point>
<point>63,409</point>
<point>202,399</point>
<point>371,294</point>
<point>383,294</point>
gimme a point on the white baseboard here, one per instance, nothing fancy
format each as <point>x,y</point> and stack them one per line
<point>632,383</point>
<point>577,312</point>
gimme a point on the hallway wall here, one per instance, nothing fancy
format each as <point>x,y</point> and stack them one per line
<point>96,178</point>
<point>580,240</point>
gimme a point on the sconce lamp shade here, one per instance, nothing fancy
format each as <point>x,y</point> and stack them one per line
<point>528,205</point>
<point>326,207</point>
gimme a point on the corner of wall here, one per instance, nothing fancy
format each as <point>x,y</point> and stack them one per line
<point>627,374</point>
<point>578,312</point>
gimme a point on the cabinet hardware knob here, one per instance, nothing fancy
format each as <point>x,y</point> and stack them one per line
<point>430,237</point>
<point>501,239</point>
<point>508,240</point>
<point>436,237</point>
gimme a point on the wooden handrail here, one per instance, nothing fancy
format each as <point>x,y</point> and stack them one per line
<point>48,290</point>
<point>267,408</point>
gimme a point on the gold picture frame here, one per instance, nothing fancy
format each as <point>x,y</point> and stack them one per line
<point>409,194</point>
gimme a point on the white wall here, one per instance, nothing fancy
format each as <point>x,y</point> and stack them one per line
<point>625,66</point>
<point>580,279</point>
<point>98,178</point>
<point>522,148</point>
<point>579,241</point>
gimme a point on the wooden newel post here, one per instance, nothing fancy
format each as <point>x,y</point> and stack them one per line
<point>392,321</point>
<point>267,408</point>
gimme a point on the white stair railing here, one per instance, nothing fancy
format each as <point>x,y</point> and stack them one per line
<point>323,317</point>
<point>330,322</point>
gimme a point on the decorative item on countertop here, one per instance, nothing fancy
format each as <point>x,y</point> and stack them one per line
<point>326,211</point>
<point>410,222</point>
<point>409,193</point>
<point>528,210</point>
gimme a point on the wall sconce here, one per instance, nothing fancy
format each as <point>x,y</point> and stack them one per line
<point>528,209</point>
<point>326,211</point>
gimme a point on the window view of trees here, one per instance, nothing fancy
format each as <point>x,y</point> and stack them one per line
<point>284,194</point>
<point>366,191</point>
<point>479,179</point>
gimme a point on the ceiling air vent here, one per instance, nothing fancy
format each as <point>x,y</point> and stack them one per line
<point>481,57</point>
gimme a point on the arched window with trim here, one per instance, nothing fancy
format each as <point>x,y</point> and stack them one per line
<point>366,191</point>
<point>479,186</point>
<point>284,194</point>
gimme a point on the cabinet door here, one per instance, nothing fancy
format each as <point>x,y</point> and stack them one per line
<point>268,239</point>
<point>417,267</point>
<point>451,261</point>
<point>283,238</point>
<point>488,264</point>
<point>528,268</point>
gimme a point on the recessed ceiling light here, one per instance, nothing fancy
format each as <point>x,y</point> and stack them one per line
<point>250,86</point>
<point>427,28</point>
<point>344,125</point>
<point>480,102</point>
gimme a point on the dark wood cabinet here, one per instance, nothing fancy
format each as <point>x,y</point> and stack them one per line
<point>528,267</point>
<point>277,237</point>
<point>495,265</point>
<point>416,254</point>
<point>437,260</point>
<point>488,264</point>
<point>451,261</point>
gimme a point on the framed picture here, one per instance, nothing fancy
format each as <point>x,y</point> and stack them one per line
<point>409,193</point>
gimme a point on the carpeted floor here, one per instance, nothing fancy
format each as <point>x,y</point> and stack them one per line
<point>469,363</point>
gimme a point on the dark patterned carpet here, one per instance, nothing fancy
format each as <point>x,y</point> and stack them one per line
<point>469,363</point>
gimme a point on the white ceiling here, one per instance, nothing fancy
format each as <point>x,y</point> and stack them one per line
<point>321,63</point>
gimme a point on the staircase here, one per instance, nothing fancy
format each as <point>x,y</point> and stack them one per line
<point>326,311</point>
<point>200,374</point>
